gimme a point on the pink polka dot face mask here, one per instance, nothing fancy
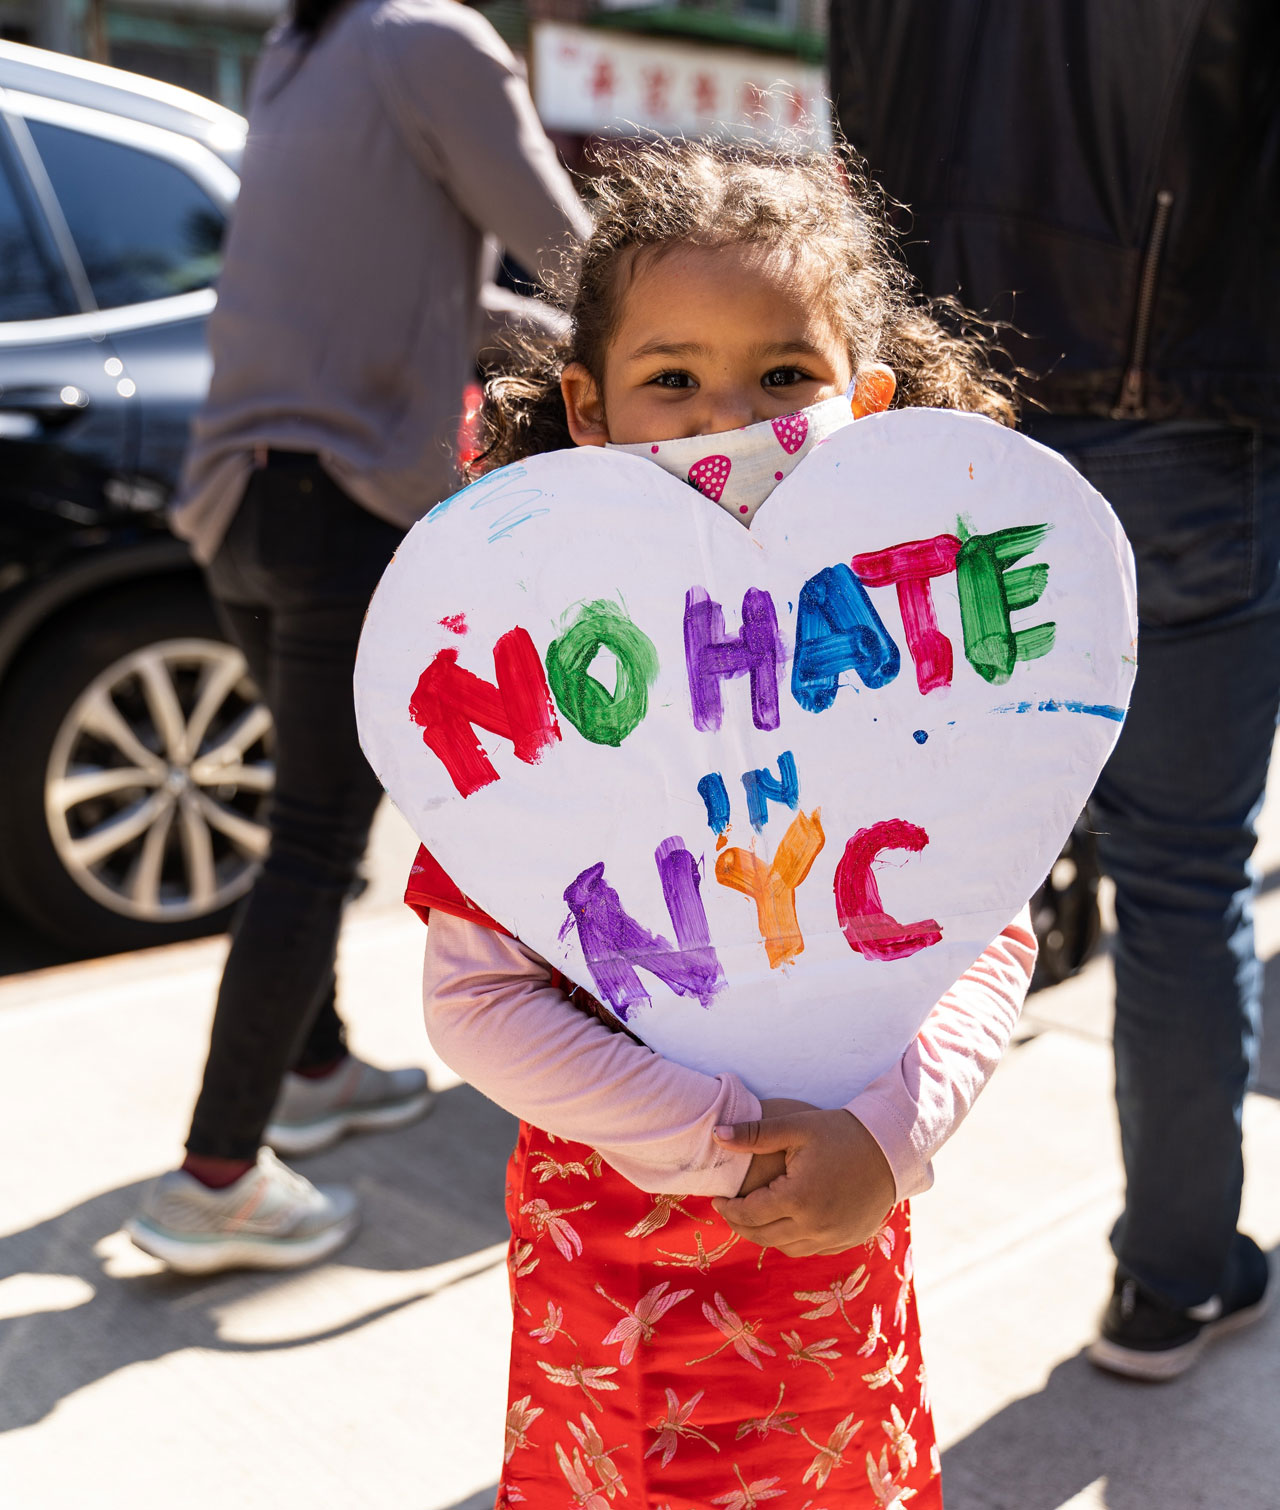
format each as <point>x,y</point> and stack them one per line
<point>738,469</point>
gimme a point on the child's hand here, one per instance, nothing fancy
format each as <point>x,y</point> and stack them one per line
<point>766,1167</point>
<point>818,1181</point>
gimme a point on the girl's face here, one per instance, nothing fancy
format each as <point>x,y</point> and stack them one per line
<point>708,339</point>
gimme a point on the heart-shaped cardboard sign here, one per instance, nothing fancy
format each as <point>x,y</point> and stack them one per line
<point>766,793</point>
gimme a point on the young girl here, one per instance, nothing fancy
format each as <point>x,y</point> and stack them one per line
<point>713,1294</point>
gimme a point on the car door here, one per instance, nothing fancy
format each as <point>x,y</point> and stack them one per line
<point>146,210</point>
<point>64,425</point>
<point>121,822</point>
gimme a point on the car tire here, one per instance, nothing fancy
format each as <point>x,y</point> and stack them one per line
<point>114,834</point>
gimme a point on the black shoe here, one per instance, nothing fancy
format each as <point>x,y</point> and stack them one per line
<point>1144,1337</point>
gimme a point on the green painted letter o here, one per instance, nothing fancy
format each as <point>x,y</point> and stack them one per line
<point>601,717</point>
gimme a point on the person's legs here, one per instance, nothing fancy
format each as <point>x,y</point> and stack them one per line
<point>279,971</point>
<point>1175,811</point>
<point>248,625</point>
<point>306,559</point>
<point>326,1040</point>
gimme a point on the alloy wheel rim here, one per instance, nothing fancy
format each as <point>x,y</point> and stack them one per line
<point>158,781</point>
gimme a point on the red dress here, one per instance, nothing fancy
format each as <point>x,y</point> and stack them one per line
<point>659,1360</point>
<point>657,1356</point>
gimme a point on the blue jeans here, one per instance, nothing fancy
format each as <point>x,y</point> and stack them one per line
<point>1175,810</point>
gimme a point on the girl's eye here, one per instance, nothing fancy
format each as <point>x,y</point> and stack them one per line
<point>672,380</point>
<point>783,377</point>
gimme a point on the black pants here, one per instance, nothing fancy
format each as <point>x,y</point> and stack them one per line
<point>291,581</point>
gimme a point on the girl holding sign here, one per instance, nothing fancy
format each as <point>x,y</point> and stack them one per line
<point>712,1293</point>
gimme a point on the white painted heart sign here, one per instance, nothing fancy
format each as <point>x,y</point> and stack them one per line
<point>765,793</point>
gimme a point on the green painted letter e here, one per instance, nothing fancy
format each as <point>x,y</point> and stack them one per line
<point>990,593</point>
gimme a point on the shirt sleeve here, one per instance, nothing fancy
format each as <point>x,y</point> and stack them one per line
<point>915,1106</point>
<point>494,1017</point>
<point>465,111</point>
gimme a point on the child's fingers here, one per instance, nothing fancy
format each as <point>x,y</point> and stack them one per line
<point>786,1235</point>
<point>764,1205</point>
<point>766,1135</point>
<point>771,1218</point>
<point>769,1234</point>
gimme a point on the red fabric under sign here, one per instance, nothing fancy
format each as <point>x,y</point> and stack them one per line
<point>657,1355</point>
<point>429,886</point>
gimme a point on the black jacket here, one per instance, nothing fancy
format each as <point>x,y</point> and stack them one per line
<point>1104,173</point>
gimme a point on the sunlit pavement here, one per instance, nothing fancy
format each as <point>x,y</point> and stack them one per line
<point>377,1380</point>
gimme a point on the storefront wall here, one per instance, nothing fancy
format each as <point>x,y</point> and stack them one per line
<point>590,82</point>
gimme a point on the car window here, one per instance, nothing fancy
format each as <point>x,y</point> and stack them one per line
<point>144,228</point>
<point>26,285</point>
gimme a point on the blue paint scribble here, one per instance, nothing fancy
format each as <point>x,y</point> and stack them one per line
<point>497,489</point>
<point>478,491</point>
<point>515,516</point>
<point>920,736</point>
<point>1052,705</point>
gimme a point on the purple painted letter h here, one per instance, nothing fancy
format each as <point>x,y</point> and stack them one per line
<point>710,656</point>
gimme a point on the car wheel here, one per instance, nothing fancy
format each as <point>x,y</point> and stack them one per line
<point>134,774</point>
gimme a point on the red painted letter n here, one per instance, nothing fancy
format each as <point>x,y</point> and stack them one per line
<point>450,704</point>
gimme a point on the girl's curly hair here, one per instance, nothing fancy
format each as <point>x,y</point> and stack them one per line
<point>818,208</point>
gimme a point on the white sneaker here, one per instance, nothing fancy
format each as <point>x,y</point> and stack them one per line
<point>270,1218</point>
<point>312,1114</point>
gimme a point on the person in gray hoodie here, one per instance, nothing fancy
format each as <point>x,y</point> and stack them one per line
<point>386,139</point>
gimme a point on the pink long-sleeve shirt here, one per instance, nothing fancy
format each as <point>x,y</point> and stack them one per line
<point>495,1016</point>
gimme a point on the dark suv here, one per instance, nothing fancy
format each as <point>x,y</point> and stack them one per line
<point>135,754</point>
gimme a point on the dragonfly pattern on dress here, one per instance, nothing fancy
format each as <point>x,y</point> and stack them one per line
<point>661,1363</point>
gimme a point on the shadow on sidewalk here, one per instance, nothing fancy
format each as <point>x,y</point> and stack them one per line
<point>1207,1439</point>
<point>430,1194</point>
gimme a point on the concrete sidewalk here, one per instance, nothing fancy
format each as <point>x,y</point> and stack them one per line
<point>378,1380</point>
